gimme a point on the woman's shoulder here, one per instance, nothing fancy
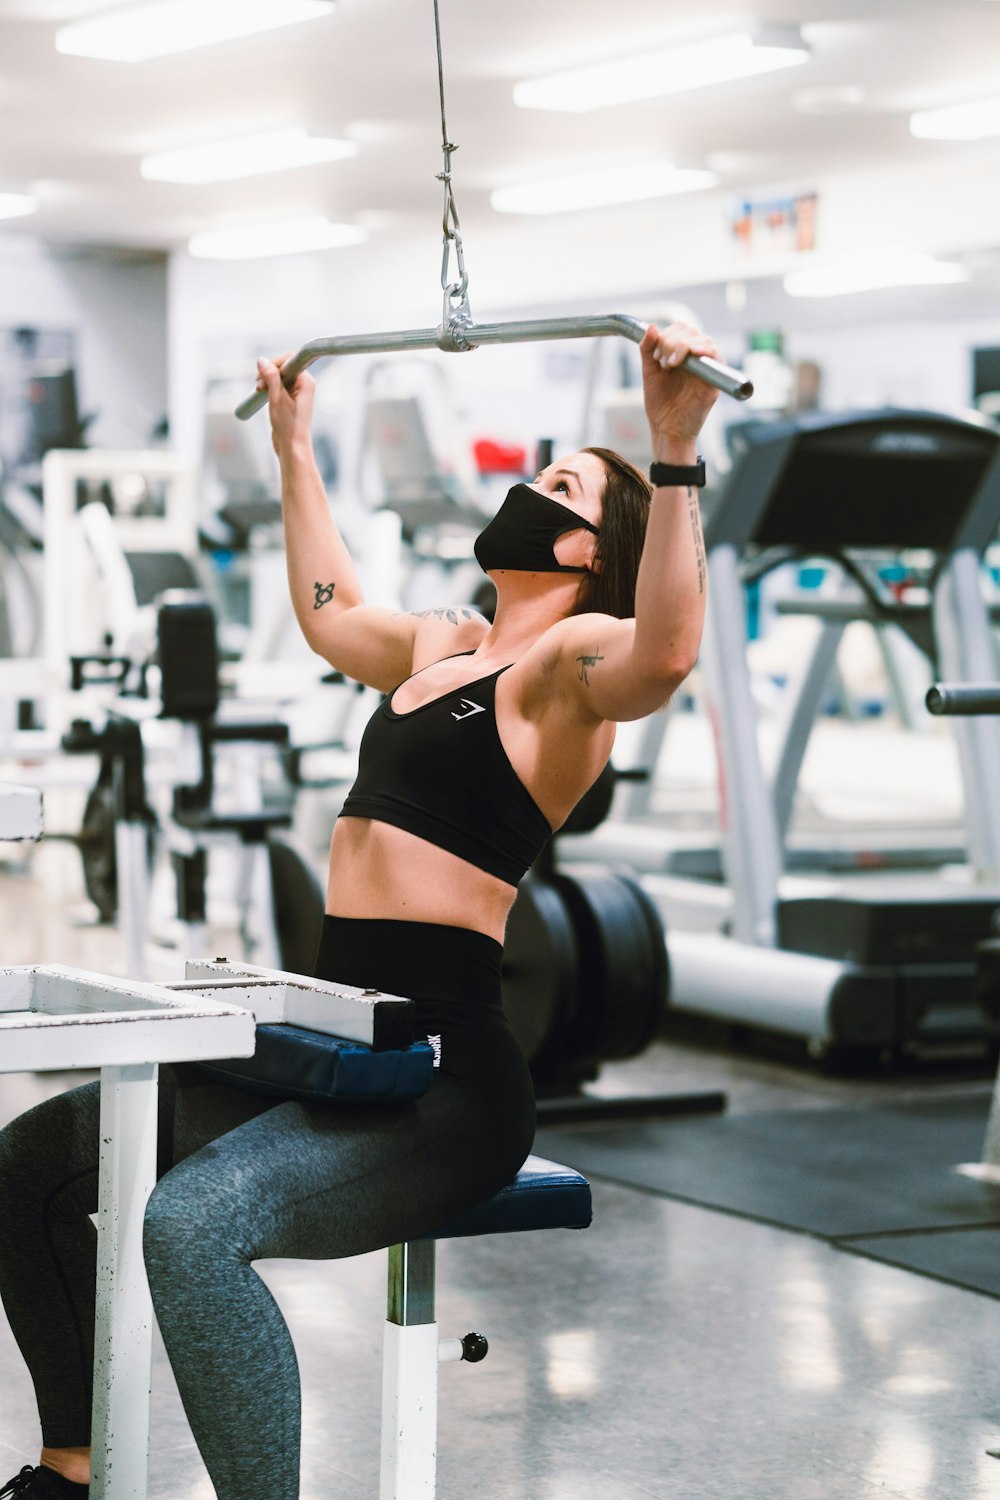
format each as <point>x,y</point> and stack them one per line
<point>559,651</point>
<point>575,632</point>
<point>446,631</point>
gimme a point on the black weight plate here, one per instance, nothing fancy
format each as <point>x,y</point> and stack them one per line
<point>594,806</point>
<point>623,966</point>
<point>97,850</point>
<point>299,903</point>
<point>539,976</point>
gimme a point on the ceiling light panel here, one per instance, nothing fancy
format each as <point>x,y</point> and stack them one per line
<point>138,32</point>
<point>623,184</point>
<point>247,156</point>
<point>673,70</point>
<point>286,237</point>
<point>958,122</point>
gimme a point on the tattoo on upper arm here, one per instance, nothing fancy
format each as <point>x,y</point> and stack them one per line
<point>453,616</point>
<point>586,662</point>
<point>324,593</point>
<point>699,540</point>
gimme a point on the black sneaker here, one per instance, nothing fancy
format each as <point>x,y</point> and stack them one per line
<point>21,1484</point>
<point>35,1484</point>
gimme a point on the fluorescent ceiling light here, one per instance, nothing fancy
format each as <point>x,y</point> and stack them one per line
<point>673,70</point>
<point>872,272</point>
<point>247,156</point>
<point>17,205</point>
<point>286,237</point>
<point>631,184</point>
<point>133,33</point>
<point>958,122</point>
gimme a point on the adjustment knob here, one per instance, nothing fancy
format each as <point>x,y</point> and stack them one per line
<point>475,1347</point>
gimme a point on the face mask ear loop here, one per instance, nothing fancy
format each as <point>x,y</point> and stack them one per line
<point>580,526</point>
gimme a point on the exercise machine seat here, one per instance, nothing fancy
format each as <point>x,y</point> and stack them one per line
<point>543,1195</point>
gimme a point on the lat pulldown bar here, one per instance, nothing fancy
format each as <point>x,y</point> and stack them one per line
<point>459,335</point>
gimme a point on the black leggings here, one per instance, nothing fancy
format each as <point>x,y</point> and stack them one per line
<point>243,1178</point>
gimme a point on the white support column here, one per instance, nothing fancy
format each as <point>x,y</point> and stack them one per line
<point>966,654</point>
<point>409,1376</point>
<point>751,847</point>
<point>131,860</point>
<point>124,1332</point>
<point>256,900</point>
<point>409,1412</point>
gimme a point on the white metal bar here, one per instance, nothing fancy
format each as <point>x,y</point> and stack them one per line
<point>124,1327</point>
<point>133,893</point>
<point>966,654</point>
<point>409,1412</point>
<point>260,926</point>
<point>274,996</point>
<point>751,847</point>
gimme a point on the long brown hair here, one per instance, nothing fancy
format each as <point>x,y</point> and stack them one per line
<point>610,589</point>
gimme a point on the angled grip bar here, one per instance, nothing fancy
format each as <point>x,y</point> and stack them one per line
<point>460,335</point>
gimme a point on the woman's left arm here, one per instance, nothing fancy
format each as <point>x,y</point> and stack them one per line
<point>627,669</point>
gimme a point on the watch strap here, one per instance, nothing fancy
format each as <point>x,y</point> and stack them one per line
<point>665,474</point>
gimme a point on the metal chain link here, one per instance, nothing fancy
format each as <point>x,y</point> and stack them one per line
<point>456,303</point>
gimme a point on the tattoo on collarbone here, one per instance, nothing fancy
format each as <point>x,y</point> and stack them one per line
<point>324,593</point>
<point>699,539</point>
<point>586,662</point>
<point>453,615</point>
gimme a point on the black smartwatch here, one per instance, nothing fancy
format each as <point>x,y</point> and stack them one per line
<point>663,474</point>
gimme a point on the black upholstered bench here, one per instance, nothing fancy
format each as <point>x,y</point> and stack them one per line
<point>542,1196</point>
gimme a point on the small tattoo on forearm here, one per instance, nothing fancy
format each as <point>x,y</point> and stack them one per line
<point>324,593</point>
<point>699,540</point>
<point>453,616</point>
<point>586,662</point>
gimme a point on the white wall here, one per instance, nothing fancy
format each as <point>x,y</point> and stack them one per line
<point>115,304</point>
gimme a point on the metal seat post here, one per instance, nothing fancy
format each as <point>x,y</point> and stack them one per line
<point>410,1375</point>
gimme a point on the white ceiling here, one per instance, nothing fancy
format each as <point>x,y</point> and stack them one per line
<point>72,130</point>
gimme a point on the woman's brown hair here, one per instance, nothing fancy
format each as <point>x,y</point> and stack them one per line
<point>610,589</point>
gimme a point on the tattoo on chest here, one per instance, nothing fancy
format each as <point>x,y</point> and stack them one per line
<point>453,616</point>
<point>586,662</point>
<point>324,593</point>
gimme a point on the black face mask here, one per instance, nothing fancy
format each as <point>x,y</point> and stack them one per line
<point>523,533</point>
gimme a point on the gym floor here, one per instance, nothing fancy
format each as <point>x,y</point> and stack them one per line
<point>668,1351</point>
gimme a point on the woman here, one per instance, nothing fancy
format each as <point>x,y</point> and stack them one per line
<point>490,736</point>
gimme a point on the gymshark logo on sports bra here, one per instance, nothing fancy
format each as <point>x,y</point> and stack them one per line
<point>470,709</point>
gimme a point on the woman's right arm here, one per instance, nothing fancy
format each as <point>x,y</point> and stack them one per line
<point>364,642</point>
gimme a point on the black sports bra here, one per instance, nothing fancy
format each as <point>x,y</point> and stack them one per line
<point>441,772</point>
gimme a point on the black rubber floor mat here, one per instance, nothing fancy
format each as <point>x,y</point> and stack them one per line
<point>841,1174</point>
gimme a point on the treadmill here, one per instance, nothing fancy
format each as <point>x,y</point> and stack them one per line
<point>879,962</point>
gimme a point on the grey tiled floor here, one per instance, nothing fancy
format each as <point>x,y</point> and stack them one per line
<point>667,1352</point>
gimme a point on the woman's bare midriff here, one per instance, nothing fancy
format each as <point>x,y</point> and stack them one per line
<point>380,871</point>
